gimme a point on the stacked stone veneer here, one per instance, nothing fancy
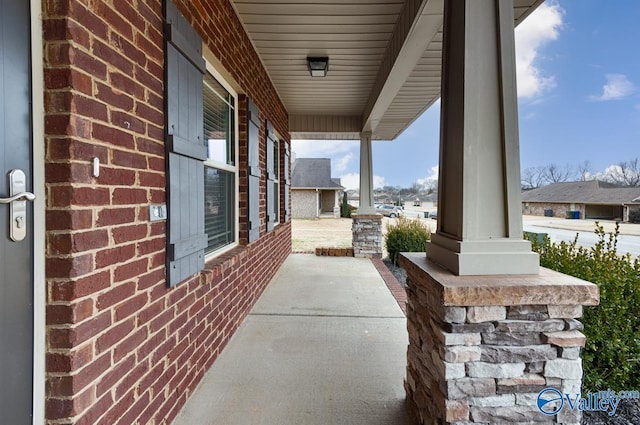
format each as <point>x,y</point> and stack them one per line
<point>367,235</point>
<point>481,348</point>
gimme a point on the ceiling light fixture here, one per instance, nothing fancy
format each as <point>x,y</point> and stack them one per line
<point>318,66</point>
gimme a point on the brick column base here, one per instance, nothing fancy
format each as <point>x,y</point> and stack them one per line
<point>481,348</point>
<point>367,235</point>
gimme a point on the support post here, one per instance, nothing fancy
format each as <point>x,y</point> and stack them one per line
<point>479,203</point>
<point>366,175</point>
<point>366,229</point>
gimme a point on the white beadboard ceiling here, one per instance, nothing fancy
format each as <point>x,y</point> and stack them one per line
<point>384,61</point>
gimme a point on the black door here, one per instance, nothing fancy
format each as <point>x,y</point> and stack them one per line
<point>16,218</point>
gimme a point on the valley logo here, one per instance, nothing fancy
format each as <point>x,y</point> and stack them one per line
<point>551,401</point>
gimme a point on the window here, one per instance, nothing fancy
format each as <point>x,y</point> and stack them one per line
<point>220,169</point>
<point>276,180</point>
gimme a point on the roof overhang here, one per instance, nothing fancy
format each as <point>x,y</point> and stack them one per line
<point>385,61</point>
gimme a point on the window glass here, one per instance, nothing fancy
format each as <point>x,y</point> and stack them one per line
<point>219,207</point>
<point>220,170</point>
<point>218,122</point>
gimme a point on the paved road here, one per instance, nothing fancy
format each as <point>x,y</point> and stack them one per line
<point>626,243</point>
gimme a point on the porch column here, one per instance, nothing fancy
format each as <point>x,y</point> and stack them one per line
<point>480,215</point>
<point>488,329</point>
<point>366,175</point>
<point>366,229</point>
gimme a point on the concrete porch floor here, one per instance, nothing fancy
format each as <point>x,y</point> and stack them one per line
<point>325,344</point>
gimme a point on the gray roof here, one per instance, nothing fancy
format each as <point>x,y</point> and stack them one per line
<point>313,173</point>
<point>590,192</point>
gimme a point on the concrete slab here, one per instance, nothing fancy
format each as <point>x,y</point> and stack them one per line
<point>304,357</point>
<point>330,286</point>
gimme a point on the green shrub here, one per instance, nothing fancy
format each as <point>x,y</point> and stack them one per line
<point>345,208</point>
<point>405,235</point>
<point>634,216</point>
<point>611,358</point>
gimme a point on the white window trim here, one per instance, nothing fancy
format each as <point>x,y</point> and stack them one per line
<point>223,166</point>
<point>277,179</point>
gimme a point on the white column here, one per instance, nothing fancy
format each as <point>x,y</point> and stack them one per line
<point>479,204</point>
<point>366,175</point>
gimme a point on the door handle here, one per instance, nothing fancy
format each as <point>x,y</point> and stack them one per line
<point>17,201</point>
<point>26,196</point>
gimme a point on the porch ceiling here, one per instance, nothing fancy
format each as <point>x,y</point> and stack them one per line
<point>384,61</point>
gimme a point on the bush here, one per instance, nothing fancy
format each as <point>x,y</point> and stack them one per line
<point>345,208</point>
<point>611,358</point>
<point>634,216</point>
<point>405,236</point>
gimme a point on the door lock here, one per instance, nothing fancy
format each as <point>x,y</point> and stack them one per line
<point>17,201</point>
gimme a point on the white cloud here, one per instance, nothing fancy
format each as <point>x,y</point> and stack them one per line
<point>342,163</point>
<point>541,27</point>
<point>352,181</point>
<point>618,86</point>
<point>322,148</point>
<point>431,178</point>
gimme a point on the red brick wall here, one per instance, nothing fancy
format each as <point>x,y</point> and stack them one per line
<point>121,347</point>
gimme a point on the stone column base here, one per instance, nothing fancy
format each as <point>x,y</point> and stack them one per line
<point>481,348</point>
<point>367,235</point>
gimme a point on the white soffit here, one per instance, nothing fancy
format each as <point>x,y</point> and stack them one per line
<point>384,60</point>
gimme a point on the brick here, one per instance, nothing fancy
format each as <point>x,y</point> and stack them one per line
<point>69,266</point>
<point>130,306</point>
<point>129,233</point>
<point>565,311</point>
<point>456,410</point>
<point>566,338</point>
<point>129,159</point>
<point>515,354</point>
<point>115,295</point>
<point>130,270</point>
<point>458,339</point>
<point>527,383</point>
<point>455,314</point>
<point>110,256</point>
<point>114,216</point>
<point>527,312</point>
<point>461,353</point>
<point>571,353</point>
<point>508,415</point>
<point>492,370</point>
<point>122,196</point>
<point>564,369</point>
<point>113,135</point>
<point>513,338</point>
<point>473,328</point>
<point>552,325</point>
<point>474,387</point>
<point>69,219</point>
<point>501,400</point>
<point>486,314</point>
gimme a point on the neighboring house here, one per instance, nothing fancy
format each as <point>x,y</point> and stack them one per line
<point>313,191</point>
<point>590,199</point>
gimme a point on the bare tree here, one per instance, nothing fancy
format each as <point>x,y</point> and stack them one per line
<point>531,178</point>
<point>584,171</point>
<point>626,173</point>
<point>553,173</point>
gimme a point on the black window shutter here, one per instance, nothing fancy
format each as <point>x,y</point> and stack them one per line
<point>254,170</point>
<point>287,184</point>
<point>271,177</point>
<point>185,148</point>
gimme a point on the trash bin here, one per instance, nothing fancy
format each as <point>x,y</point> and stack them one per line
<point>548,212</point>
<point>573,215</point>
